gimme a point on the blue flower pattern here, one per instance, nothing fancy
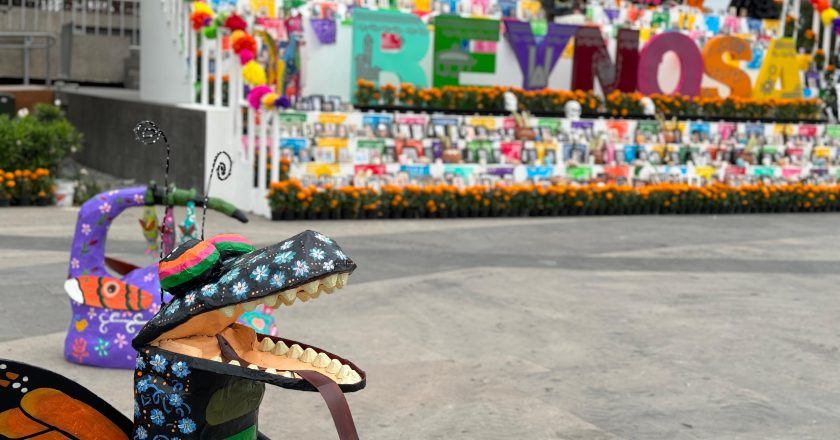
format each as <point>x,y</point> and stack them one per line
<point>284,257</point>
<point>160,399</point>
<point>260,273</point>
<point>240,289</point>
<point>230,276</point>
<point>278,280</point>
<point>180,370</point>
<point>209,290</point>
<point>316,254</point>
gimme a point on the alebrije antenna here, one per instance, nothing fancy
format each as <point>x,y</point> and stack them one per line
<point>222,171</point>
<point>148,133</point>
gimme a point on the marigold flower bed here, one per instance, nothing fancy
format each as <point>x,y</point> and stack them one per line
<point>291,200</point>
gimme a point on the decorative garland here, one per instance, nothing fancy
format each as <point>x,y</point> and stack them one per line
<point>244,45</point>
<point>290,199</point>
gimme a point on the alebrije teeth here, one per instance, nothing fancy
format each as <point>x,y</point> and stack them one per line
<point>308,356</point>
<point>229,310</point>
<point>342,279</point>
<point>272,300</point>
<point>271,371</point>
<point>311,287</point>
<point>234,363</point>
<point>295,351</point>
<point>288,297</point>
<point>343,371</point>
<point>216,358</point>
<point>327,289</point>
<point>315,295</point>
<point>352,377</point>
<point>321,361</point>
<point>331,280</point>
<point>303,296</point>
<point>280,348</point>
<point>253,367</point>
<point>266,345</point>
<point>288,374</point>
<point>334,366</point>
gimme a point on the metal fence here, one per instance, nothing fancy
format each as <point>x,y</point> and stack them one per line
<point>91,17</point>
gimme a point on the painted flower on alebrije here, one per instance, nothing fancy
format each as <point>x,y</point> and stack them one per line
<point>141,433</point>
<point>209,289</point>
<point>141,363</point>
<point>157,417</point>
<point>186,425</point>
<point>284,257</point>
<point>329,265</point>
<point>260,273</point>
<point>317,254</point>
<point>142,385</point>
<point>340,255</point>
<point>158,363</point>
<point>189,299</point>
<point>240,289</point>
<point>102,347</point>
<point>175,400</point>
<point>278,279</point>
<point>301,268</point>
<point>179,369</point>
<point>230,276</point>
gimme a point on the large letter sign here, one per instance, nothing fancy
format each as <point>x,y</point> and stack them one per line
<point>592,59</point>
<point>691,63</point>
<point>452,55</point>
<point>732,77</point>
<point>369,58</point>
<point>779,64</point>
<point>537,60</point>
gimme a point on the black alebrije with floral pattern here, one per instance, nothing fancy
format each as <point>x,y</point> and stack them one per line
<point>272,269</point>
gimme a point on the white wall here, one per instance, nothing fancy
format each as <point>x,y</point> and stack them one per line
<point>163,71</point>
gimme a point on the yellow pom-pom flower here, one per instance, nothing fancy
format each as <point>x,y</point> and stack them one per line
<point>236,35</point>
<point>254,74</point>
<point>202,7</point>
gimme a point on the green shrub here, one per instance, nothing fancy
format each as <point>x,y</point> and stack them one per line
<point>38,140</point>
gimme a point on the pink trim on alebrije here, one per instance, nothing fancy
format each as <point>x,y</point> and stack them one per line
<point>229,237</point>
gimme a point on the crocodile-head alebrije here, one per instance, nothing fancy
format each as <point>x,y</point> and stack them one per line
<point>200,374</point>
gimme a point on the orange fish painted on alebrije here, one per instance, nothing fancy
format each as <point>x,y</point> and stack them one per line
<point>107,292</point>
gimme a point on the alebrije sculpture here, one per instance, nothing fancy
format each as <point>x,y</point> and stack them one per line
<point>188,227</point>
<point>108,309</point>
<point>150,229</point>
<point>199,374</point>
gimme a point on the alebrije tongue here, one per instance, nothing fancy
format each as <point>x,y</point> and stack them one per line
<point>188,265</point>
<point>231,245</point>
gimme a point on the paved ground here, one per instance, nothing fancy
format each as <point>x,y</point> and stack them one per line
<point>576,328</point>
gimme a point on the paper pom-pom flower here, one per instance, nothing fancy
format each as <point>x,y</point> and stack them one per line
<point>235,23</point>
<point>202,7</point>
<point>243,43</point>
<point>210,32</point>
<point>256,94</point>
<point>235,36</point>
<point>268,100</point>
<point>253,73</point>
<point>200,19</point>
<point>245,55</point>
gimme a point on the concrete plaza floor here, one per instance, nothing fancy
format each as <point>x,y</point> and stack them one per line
<point>679,327</point>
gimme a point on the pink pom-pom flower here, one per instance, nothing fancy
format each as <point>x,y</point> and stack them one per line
<point>256,95</point>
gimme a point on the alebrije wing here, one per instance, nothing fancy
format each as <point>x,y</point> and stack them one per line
<point>37,403</point>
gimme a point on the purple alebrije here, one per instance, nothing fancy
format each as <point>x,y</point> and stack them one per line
<point>96,335</point>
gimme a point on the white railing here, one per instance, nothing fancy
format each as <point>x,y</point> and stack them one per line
<point>98,17</point>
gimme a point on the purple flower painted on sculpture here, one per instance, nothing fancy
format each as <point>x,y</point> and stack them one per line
<point>138,198</point>
<point>86,229</point>
<point>154,308</point>
<point>105,208</point>
<point>74,263</point>
<point>149,277</point>
<point>120,340</point>
<point>91,313</point>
